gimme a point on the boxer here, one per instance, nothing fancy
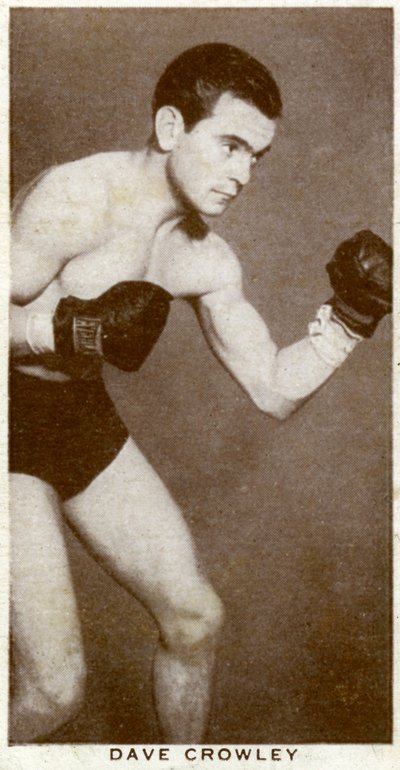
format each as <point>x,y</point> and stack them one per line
<point>101,247</point>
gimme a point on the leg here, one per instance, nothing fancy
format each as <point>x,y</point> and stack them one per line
<point>129,521</point>
<point>47,651</point>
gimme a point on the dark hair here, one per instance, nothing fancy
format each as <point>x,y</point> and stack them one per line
<point>195,80</point>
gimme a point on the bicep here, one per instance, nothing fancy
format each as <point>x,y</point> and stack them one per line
<point>241,340</point>
<point>56,220</point>
<point>236,333</point>
<point>31,272</point>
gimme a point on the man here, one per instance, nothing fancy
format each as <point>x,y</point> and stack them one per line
<point>101,246</point>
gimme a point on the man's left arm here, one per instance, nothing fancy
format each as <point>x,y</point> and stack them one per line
<point>278,381</point>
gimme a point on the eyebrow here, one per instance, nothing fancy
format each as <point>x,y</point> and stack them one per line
<point>243,143</point>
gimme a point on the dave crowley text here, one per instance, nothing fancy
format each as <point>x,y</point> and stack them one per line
<point>203,753</point>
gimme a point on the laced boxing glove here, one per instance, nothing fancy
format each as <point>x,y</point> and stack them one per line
<point>360,274</point>
<point>122,325</point>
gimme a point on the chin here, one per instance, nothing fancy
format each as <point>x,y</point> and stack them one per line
<point>204,210</point>
<point>213,214</point>
<point>212,210</point>
<point>201,205</point>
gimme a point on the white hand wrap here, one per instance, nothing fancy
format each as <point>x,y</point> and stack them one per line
<point>330,340</point>
<point>39,333</point>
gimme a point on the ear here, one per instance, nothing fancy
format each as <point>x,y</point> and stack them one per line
<point>168,125</point>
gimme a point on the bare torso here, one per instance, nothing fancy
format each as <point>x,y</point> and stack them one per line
<point>126,239</point>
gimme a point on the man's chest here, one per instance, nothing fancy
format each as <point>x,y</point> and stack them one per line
<point>123,257</point>
<point>166,258</point>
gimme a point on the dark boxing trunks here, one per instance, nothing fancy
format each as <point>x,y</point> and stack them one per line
<point>65,433</point>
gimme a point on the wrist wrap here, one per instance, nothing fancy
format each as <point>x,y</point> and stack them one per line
<point>330,340</point>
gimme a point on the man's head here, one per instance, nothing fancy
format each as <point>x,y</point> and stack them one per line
<point>215,109</point>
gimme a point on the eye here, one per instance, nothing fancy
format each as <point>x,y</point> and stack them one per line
<point>229,148</point>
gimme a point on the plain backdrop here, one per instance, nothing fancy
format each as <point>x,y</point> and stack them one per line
<point>292,520</point>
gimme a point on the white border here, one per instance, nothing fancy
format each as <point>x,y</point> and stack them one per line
<point>77,757</point>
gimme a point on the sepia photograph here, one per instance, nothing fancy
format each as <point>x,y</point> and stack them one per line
<point>199,383</point>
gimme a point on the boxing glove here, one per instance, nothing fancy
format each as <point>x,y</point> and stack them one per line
<point>360,274</point>
<point>122,325</point>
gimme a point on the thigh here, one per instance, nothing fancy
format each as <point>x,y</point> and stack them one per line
<point>133,526</point>
<point>44,619</point>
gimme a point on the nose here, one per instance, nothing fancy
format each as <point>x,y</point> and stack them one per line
<point>240,170</point>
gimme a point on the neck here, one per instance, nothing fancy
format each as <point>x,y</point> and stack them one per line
<point>158,195</point>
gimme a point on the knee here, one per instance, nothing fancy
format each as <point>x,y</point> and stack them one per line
<point>42,703</point>
<point>45,699</point>
<point>194,624</point>
<point>63,690</point>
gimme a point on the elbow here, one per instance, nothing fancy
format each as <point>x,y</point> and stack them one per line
<point>281,412</point>
<point>285,408</point>
<point>276,406</point>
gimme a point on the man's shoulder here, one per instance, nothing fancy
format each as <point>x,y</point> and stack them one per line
<point>71,198</point>
<point>226,260</point>
<point>203,239</point>
<point>92,169</point>
<point>84,182</point>
<point>217,261</point>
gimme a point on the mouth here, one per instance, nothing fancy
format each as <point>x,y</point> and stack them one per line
<point>226,197</point>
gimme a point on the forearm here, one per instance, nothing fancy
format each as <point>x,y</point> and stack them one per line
<point>303,367</point>
<point>297,372</point>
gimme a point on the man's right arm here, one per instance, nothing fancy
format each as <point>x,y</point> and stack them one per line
<point>56,221</point>
<point>30,275</point>
<point>65,216</point>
